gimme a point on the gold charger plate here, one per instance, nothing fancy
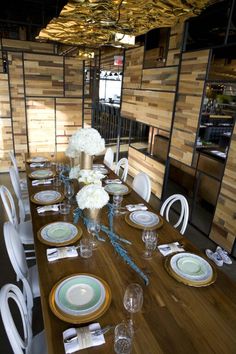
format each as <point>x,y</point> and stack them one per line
<point>73,240</point>
<point>32,160</point>
<point>141,227</point>
<point>197,284</point>
<point>53,174</point>
<point>122,193</point>
<point>57,200</point>
<point>80,318</point>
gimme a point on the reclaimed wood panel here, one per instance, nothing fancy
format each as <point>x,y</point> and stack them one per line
<point>5,109</point>
<point>150,107</point>
<point>222,70</point>
<point>223,230</point>
<point>6,143</point>
<point>133,68</point>
<point>43,75</point>
<point>138,162</point>
<point>16,74</point>
<point>175,43</point>
<point>87,113</point>
<point>191,86</point>
<point>13,44</point>
<point>68,120</point>
<point>41,124</point>
<point>107,58</point>
<point>73,77</point>
<point>163,79</point>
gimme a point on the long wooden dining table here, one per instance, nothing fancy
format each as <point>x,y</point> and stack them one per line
<point>175,318</point>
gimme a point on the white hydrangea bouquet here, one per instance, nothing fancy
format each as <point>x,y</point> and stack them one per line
<point>87,140</point>
<point>92,196</point>
<point>74,172</point>
<point>90,176</point>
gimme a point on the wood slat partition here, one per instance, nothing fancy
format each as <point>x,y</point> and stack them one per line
<point>87,112</point>
<point>133,68</point>
<point>222,70</point>
<point>150,107</point>
<point>5,109</point>
<point>175,43</point>
<point>162,79</point>
<point>107,58</point>
<point>73,77</point>
<point>139,162</point>
<point>191,85</point>
<point>223,230</point>
<point>27,46</point>
<point>6,143</point>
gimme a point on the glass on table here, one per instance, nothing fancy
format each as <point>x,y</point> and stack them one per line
<point>93,228</point>
<point>64,208</point>
<point>86,247</point>
<point>69,191</point>
<point>123,339</point>
<point>117,201</point>
<point>150,238</point>
<point>133,302</point>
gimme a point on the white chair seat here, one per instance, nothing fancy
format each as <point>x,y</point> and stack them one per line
<point>109,158</point>
<point>26,205</point>
<point>39,344</point>
<point>122,163</point>
<point>142,185</point>
<point>33,279</point>
<point>25,230</point>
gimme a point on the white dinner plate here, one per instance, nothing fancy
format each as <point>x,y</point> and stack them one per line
<point>41,174</point>
<point>116,188</point>
<point>37,159</point>
<point>59,232</point>
<point>144,218</point>
<point>80,295</point>
<point>191,267</point>
<point>48,196</point>
<point>102,170</point>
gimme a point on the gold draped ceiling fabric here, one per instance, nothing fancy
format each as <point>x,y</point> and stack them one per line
<point>93,23</point>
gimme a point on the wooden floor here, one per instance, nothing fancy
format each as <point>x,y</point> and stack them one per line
<point>8,276</point>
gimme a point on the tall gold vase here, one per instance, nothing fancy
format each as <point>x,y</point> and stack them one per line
<point>93,214</point>
<point>86,161</point>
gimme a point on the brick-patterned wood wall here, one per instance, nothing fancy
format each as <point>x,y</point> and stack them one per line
<point>42,92</point>
<point>223,230</point>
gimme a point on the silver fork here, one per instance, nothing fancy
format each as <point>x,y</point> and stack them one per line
<point>96,332</point>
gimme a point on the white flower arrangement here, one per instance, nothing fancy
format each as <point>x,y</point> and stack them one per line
<point>70,151</point>
<point>87,140</point>
<point>92,197</point>
<point>74,172</point>
<point>91,176</point>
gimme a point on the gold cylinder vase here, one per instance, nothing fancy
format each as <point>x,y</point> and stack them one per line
<point>86,161</point>
<point>93,214</point>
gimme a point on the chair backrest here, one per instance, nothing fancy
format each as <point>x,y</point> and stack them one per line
<point>109,157</point>
<point>14,163</point>
<point>20,344</point>
<point>184,213</point>
<point>142,185</point>
<point>16,186</point>
<point>9,205</point>
<point>125,165</point>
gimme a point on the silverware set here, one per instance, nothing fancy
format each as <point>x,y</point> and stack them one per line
<point>96,332</point>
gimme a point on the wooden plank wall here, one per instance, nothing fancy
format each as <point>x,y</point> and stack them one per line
<point>107,58</point>
<point>191,86</point>
<point>223,230</point>
<point>132,78</point>
<point>42,92</point>
<point>138,162</point>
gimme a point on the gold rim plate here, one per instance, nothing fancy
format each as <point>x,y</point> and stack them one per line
<point>141,227</point>
<point>113,193</point>
<point>58,200</point>
<point>73,240</point>
<point>188,282</point>
<point>77,319</point>
<point>31,160</point>
<point>41,177</point>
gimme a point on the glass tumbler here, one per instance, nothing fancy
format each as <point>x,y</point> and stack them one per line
<point>123,339</point>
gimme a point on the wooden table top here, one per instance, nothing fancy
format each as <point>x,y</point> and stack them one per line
<point>175,318</point>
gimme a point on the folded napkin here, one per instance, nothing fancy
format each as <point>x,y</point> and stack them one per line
<point>36,164</point>
<point>134,207</point>
<point>54,207</point>
<point>170,248</point>
<point>85,338</point>
<point>63,252</point>
<point>37,182</point>
<point>107,181</point>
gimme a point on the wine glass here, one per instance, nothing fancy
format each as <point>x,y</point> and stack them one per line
<point>69,191</point>
<point>93,228</point>
<point>117,200</point>
<point>150,239</point>
<point>133,301</point>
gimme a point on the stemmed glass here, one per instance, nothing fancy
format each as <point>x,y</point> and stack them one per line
<point>93,228</point>
<point>133,301</point>
<point>69,191</point>
<point>149,237</point>
<point>117,200</point>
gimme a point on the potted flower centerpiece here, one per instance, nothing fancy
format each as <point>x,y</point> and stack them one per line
<point>88,142</point>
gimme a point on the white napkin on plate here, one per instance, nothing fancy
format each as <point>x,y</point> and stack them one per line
<point>54,207</point>
<point>118,181</point>
<point>169,248</point>
<point>37,182</point>
<point>134,207</point>
<point>85,338</point>
<point>37,164</point>
<point>63,252</point>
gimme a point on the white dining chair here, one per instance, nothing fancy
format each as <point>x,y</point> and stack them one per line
<point>22,181</point>
<point>15,250</point>
<point>109,158</point>
<point>24,228</point>
<point>122,163</point>
<point>184,212</point>
<point>23,203</point>
<point>23,342</point>
<point>142,185</point>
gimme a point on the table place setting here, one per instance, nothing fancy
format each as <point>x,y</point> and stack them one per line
<point>54,254</point>
<point>116,180</point>
<point>133,207</point>
<point>37,164</point>
<point>37,182</point>
<point>144,219</point>
<point>59,233</point>
<point>37,159</point>
<point>169,248</point>
<point>43,209</point>
<point>41,174</point>
<point>47,197</point>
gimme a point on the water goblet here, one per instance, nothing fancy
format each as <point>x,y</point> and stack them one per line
<point>117,201</point>
<point>69,191</point>
<point>150,239</point>
<point>133,302</point>
<point>93,228</point>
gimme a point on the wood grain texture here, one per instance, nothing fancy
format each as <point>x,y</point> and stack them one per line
<point>191,85</point>
<point>107,58</point>
<point>43,75</point>
<point>73,77</point>
<point>175,43</point>
<point>68,120</point>
<point>175,318</point>
<point>224,223</point>
<point>149,107</point>
<point>133,68</point>
<point>139,162</point>
<point>6,143</point>
<point>87,112</point>
<point>162,79</point>
<point>5,109</point>
<point>12,44</point>
<point>222,70</point>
